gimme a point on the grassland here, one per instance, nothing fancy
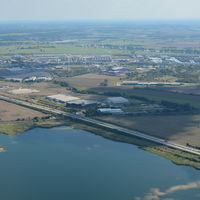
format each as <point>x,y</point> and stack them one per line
<point>44,88</point>
<point>89,81</point>
<point>12,112</point>
<point>118,48</point>
<point>182,129</point>
<point>158,95</point>
<point>152,94</point>
<point>117,38</point>
<point>12,128</point>
<point>56,49</point>
<point>193,89</point>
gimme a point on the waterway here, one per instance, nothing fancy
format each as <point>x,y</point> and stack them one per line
<point>68,164</point>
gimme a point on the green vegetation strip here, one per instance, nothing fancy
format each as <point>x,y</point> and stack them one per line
<point>13,128</point>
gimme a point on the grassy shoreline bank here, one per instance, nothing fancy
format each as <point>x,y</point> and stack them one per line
<point>176,156</point>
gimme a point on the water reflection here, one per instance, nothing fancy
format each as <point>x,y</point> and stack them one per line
<point>64,163</point>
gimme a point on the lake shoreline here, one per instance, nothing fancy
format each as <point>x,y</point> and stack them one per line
<point>176,156</point>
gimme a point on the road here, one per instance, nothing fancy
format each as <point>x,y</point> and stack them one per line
<point>103,124</point>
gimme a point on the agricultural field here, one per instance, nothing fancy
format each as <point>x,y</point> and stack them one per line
<point>182,129</point>
<point>39,89</point>
<point>90,81</point>
<point>152,94</point>
<point>87,38</point>
<point>45,89</point>
<point>191,89</point>
<point>12,112</point>
<point>177,73</point>
<point>56,49</point>
<point>11,85</point>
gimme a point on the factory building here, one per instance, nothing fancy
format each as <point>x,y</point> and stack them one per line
<point>117,100</point>
<point>71,101</point>
<point>81,103</point>
<point>111,110</point>
<point>62,98</point>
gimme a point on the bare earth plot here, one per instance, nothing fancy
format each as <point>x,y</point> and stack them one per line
<point>46,89</point>
<point>11,84</point>
<point>12,112</point>
<point>23,91</point>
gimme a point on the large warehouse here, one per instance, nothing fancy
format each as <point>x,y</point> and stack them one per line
<point>62,98</point>
<point>81,103</point>
<point>117,100</point>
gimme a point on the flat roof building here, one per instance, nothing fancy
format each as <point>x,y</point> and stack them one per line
<point>111,110</point>
<point>81,103</point>
<point>62,98</point>
<point>117,100</point>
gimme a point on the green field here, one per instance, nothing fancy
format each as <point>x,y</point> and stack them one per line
<point>57,49</point>
<point>152,94</point>
<point>182,129</point>
<point>122,38</point>
<point>13,128</point>
<point>89,80</point>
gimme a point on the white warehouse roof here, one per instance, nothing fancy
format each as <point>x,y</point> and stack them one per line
<point>117,100</point>
<point>63,98</point>
<point>110,110</point>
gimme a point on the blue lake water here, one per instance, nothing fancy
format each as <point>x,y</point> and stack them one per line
<point>68,164</point>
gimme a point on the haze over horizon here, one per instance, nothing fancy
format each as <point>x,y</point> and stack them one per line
<point>98,10</point>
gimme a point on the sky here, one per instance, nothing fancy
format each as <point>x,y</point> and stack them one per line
<point>98,9</point>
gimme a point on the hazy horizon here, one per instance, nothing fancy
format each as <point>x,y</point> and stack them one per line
<point>144,21</point>
<point>48,10</point>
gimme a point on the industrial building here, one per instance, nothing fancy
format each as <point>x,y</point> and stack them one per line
<point>117,100</point>
<point>62,98</point>
<point>71,100</point>
<point>111,110</point>
<point>81,103</point>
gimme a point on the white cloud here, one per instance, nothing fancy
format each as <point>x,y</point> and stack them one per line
<point>156,194</point>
